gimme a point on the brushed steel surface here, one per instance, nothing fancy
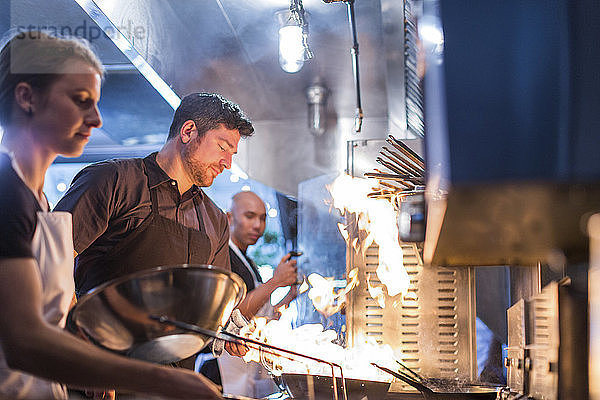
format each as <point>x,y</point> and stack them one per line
<point>547,352</point>
<point>509,223</point>
<point>515,360</point>
<point>231,47</point>
<point>431,329</point>
<point>543,320</point>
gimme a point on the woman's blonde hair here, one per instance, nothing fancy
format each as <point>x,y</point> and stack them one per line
<point>38,58</point>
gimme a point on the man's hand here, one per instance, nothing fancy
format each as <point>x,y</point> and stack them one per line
<point>236,323</point>
<point>107,395</point>
<point>235,349</point>
<point>286,273</point>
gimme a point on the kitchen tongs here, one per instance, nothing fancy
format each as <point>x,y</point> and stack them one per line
<point>406,378</point>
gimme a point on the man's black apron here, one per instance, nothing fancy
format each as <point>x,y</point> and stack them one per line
<point>158,241</point>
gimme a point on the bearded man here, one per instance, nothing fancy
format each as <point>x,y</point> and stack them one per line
<point>138,213</point>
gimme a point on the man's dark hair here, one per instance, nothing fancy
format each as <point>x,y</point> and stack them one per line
<point>208,111</point>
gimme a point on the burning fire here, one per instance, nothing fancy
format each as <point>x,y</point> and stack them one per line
<point>324,296</point>
<point>376,222</point>
<point>313,340</point>
<point>376,292</point>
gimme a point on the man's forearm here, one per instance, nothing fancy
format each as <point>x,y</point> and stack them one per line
<point>256,298</point>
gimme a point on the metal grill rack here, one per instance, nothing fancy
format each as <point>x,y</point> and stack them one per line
<point>431,327</point>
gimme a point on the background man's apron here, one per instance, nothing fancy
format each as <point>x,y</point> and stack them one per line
<point>239,377</point>
<point>159,241</point>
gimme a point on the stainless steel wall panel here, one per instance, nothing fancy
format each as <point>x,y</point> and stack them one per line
<point>430,327</point>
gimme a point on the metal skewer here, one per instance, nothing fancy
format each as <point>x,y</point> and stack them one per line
<point>397,169</point>
<point>414,161</point>
<point>394,177</point>
<point>407,151</point>
<point>384,175</point>
<point>393,187</point>
<point>404,161</point>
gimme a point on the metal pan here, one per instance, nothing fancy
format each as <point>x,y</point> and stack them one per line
<point>115,314</point>
<point>447,392</point>
<point>299,387</point>
<point>264,348</point>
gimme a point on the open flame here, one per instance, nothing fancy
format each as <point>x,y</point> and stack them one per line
<point>304,287</point>
<point>325,298</point>
<point>377,293</point>
<point>313,340</point>
<point>376,222</point>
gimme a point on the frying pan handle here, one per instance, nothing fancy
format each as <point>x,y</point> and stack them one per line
<point>230,337</point>
<point>404,378</point>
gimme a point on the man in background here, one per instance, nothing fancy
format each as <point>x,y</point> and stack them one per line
<point>247,221</point>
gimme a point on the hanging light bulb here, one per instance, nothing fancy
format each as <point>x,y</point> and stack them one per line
<point>291,50</point>
<point>293,37</point>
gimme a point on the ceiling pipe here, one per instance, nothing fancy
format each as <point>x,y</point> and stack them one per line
<point>358,117</point>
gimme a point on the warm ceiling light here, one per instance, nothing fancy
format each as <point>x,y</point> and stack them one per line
<point>291,50</point>
<point>293,37</point>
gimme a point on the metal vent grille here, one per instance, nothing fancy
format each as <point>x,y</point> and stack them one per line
<point>373,325</point>
<point>545,346</point>
<point>447,321</point>
<point>430,328</point>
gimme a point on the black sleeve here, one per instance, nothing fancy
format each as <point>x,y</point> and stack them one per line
<point>90,200</point>
<point>221,258</point>
<point>18,208</point>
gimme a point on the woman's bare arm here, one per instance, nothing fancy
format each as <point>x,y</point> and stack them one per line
<point>33,346</point>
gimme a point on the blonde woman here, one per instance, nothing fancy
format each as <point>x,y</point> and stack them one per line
<point>49,90</point>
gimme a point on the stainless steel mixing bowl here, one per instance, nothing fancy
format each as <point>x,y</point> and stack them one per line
<point>116,314</point>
